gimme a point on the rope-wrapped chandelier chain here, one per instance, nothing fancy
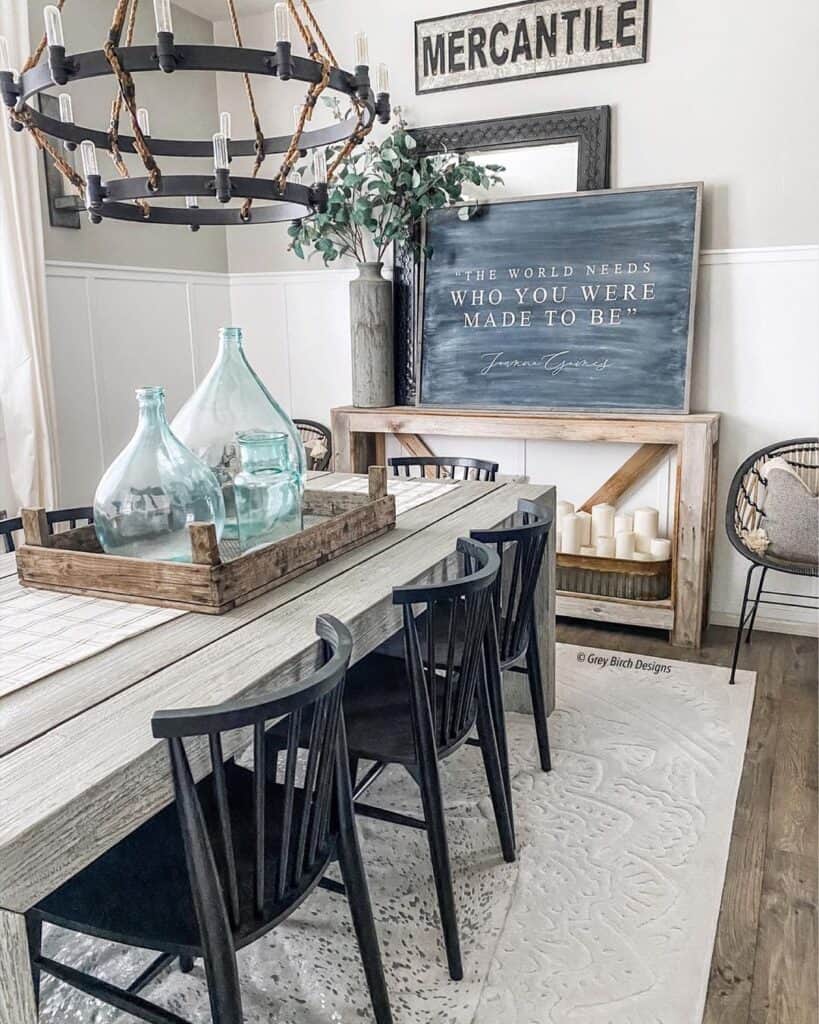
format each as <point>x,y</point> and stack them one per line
<point>127,199</point>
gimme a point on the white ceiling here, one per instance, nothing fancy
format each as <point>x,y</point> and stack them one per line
<point>216,10</point>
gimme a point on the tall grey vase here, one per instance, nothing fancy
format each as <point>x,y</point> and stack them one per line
<point>371,327</point>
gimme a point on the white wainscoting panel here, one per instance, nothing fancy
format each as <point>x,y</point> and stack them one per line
<point>114,329</point>
<point>756,361</point>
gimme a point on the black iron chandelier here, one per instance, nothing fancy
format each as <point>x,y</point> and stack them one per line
<point>129,198</point>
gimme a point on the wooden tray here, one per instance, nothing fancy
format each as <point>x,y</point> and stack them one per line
<point>614,577</point>
<point>73,562</point>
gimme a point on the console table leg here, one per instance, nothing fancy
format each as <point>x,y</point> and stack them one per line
<point>694,529</point>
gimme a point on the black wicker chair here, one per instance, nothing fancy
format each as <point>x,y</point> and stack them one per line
<point>745,514</point>
<point>235,855</point>
<point>445,466</point>
<point>72,516</point>
<point>316,437</point>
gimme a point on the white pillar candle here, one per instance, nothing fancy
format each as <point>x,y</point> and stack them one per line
<point>585,519</point>
<point>558,542</point>
<point>624,545</point>
<point>589,551</point>
<point>643,556</point>
<point>606,547</point>
<point>602,522</point>
<point>624,523</point>
<point>661,549</point>
<point>646,526</point>
<point>564,508</point>
<point>572,534</point>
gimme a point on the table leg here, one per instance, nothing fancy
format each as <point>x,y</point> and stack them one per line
<point>516,691</point>
<point>545,601</point>
<point>17,1002</point>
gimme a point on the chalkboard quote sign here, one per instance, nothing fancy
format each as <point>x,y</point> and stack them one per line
<point>582,302</point>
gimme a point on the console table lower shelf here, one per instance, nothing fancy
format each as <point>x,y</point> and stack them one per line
<point>359,441</point>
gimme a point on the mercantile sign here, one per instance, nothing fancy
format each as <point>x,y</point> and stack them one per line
<point>523,40</point>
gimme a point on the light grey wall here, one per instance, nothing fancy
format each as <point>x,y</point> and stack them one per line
<point>726,97</point>
<point>182,106</point>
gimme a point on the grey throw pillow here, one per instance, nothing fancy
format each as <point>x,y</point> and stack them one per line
<point>791,516</point>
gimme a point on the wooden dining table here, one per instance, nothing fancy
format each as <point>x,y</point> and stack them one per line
<point>79,767</point>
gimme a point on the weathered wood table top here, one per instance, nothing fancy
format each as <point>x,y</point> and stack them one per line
<point>79,768</point>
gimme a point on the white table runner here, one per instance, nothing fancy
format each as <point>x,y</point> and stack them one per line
<point>43,631</point>
<point>408,493</point>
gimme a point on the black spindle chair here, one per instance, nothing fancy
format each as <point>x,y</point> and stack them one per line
<point>72,516</point>
<point>445,466</point>
<point>417,712</point>
<point>311,432</point>
<point>521,546</point>
<point>238,853</point>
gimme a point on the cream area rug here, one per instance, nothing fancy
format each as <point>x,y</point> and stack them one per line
<point>608,916</point>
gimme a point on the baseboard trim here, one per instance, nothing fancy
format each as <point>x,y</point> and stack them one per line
<point>768,625</point>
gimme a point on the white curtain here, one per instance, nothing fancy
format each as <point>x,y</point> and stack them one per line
<point>26,397</point>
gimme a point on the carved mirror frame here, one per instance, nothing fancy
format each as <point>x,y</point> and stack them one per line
<point>589,127</point>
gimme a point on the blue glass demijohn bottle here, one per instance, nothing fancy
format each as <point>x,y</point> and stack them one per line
<point>232,400</point>
<point>268,492</point>
<point>153,489</point>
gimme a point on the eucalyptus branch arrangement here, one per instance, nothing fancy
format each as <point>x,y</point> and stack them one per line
<point>382,192</point>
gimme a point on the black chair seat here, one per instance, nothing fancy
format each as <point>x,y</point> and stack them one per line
<point>378,716</point>
<point>394,646</point>
<point>139,893</point>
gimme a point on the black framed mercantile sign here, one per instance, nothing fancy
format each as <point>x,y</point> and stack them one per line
<point>580,302</point>
<point>527,39</point>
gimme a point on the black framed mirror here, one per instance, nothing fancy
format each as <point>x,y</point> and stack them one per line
<point>578,157</point>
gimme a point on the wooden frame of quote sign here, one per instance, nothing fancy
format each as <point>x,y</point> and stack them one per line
<point>581,302</point>
<point>527,39</point>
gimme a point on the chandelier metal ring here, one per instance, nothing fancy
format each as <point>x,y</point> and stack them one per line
<point>93,64</point>
<point>115,199</point>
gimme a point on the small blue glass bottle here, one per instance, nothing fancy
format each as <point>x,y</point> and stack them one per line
<point>268,491</point>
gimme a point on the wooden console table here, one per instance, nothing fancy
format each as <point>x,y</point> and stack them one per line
<point>359,441</point>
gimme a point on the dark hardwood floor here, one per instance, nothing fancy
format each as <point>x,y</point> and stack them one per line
<point>764,963</point>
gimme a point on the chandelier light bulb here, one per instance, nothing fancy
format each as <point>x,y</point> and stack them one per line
<point>162,11</point>
<point>226,124</point>
<point>144,121</point>
<point>297,115</point>
<point>54,26</point>
<point>362,50</point>
<point>5,55</point>
<point>66,109</point>
<point>281,17</point>
<point>88,152</point>
<point>382,78</point>
<point>220,152</point>
<point>319,167</point>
